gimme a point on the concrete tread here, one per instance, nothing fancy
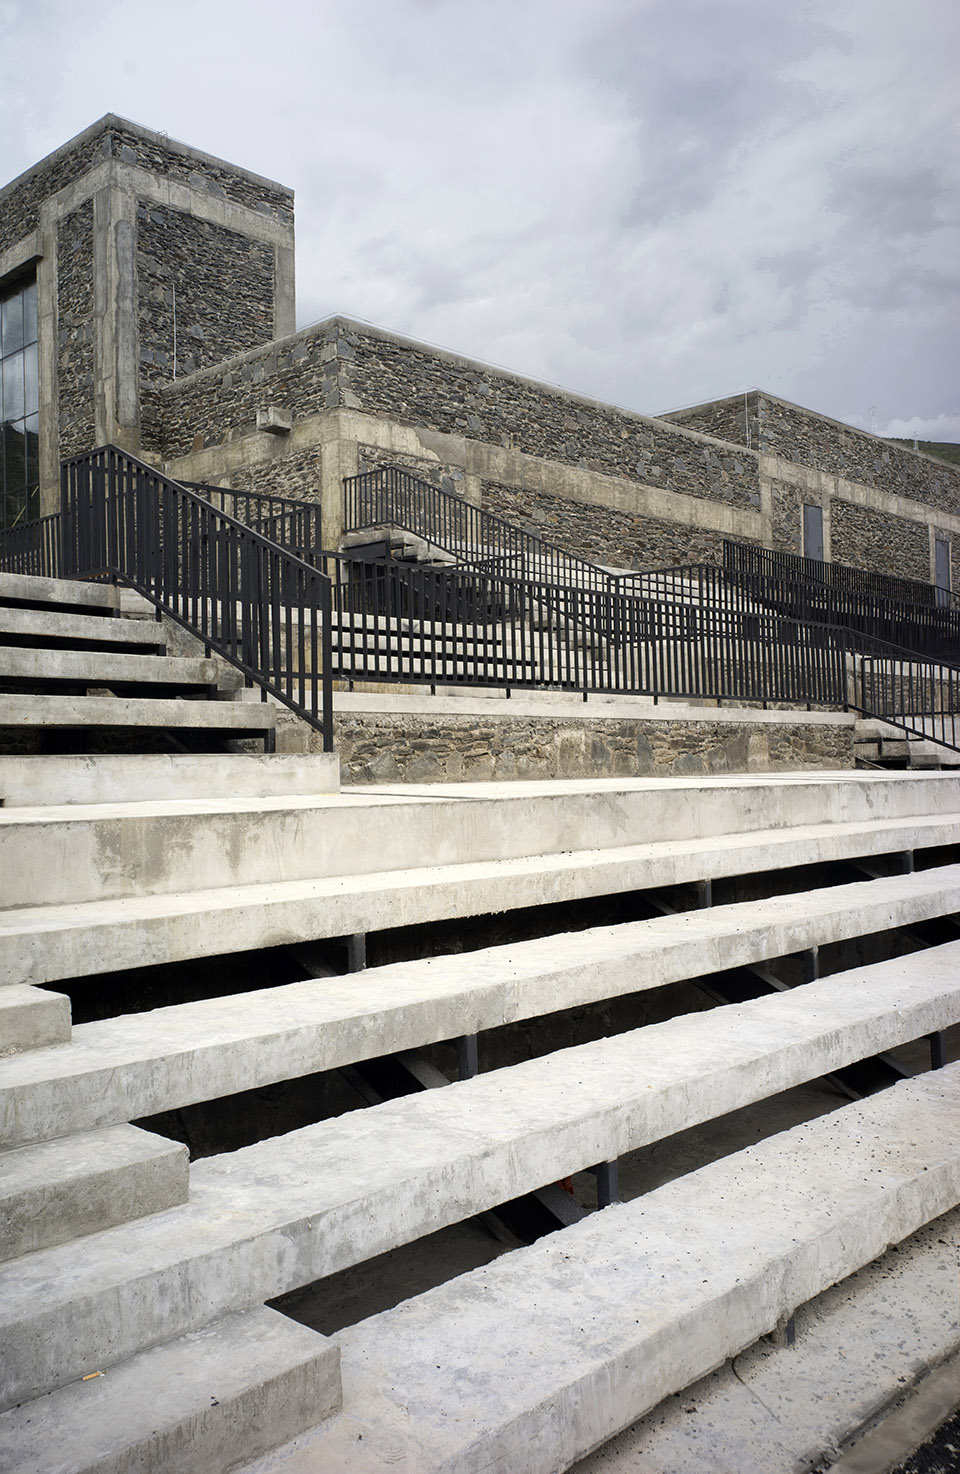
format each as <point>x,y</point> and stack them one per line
<point>90,628</point>
<point>135,1065</point>
<point>86,781</point>
<point>550,1350</point>
<point>196,1404</point>
<point>57,592</point>
<point>32,1018</point>
<point>43,943</point>
<point>279,1214</point>
<point>101,667</point>
<point>26,709</point>
<point>58,1190</point>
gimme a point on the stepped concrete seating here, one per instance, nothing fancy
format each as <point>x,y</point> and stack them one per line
<point>62,639</point>
<point>150,1280</point>
<point>883,745</point>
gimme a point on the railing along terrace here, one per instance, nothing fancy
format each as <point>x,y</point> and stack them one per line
<point>391,496</point>
<point>396,623</point>
<point>255,603</point>
<point>748,558</point>
<point>927,630</point>
<point>919,696</point>
<point>293,523</point>
<point>32,547</point>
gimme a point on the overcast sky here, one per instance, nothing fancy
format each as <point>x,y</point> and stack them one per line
<point>653,202</point>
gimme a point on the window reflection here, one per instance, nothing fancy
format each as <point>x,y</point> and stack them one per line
<point>19,405</point>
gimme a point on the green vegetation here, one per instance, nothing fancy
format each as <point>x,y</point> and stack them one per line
<point>942,449</point>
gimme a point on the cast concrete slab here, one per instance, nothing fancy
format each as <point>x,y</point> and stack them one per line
<point>122,1068</point>
<point>87,629</point>
<point>103,668</point>
<point>32,1018</point>
<point>543,1355</point>
<point>196,1405</point>
<point>58,592</point>
<point>277,1215</point>
<point>21,710</point>
<point>43,943</point>
<point>79,1184</point>
<point>93,779</point>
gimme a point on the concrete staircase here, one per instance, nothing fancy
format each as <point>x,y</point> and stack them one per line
<point>135,1329</point>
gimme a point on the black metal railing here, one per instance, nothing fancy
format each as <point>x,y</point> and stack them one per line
<point>32,547</point>
<point>748,558</point>
<point>921,697</point>
<point>255,603</point>
<point>391,496</point>
<point>293,523</point>
<point>929,631</point>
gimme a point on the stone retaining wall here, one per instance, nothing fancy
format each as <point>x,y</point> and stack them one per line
<point>878,541</point>
<point>420,749</point>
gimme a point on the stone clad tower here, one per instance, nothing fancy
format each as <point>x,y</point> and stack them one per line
<point>149,260</point>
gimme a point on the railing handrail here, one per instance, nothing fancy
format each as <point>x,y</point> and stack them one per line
<point>110,459</point>
<point>840,575</point>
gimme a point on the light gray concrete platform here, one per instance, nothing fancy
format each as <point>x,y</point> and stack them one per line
<point>33,781</point>
<point>88,629</point>
<point>44,943</point>
<point>32,1018</point>
<point>19,710</point>
<point>59,1190</point>
<point>59,592</point>
<point>94,852</point>
<point>122,1068</point>
<point>286,1211</point>
<point>105,668</point>
<point>534,1360</point>
<point>196,1405</point>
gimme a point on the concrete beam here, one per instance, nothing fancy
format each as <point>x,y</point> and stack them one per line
<point>120,1069</point>
<point>280,1214</point>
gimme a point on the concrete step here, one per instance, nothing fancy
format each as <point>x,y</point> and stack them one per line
<point>136,1065</point>
<point>565,1343</point>
<point>280,1214</point>
<point>199,1404</point>
<point>60,1190</point>
<point>20,711</point>
<point>162,847</point>
<point>35,781</point>
<point>55,627</point>
<point>40,944</point>
<point>59,593</point>
<point>128,673</point>
<point>32,1018</point>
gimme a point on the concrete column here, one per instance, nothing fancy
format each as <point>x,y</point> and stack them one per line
<point>47,336</point>
<point>339,458</point>
<point>117,348</point>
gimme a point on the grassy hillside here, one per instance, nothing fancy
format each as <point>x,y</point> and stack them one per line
<point>942,449</point>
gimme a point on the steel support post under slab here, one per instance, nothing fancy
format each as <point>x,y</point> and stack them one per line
<point>608,1183</point>
<point>906,862</point>
<point>357,952</point>
<point>704,894</point>
<point>467,1056</point>
<point>810,960</point>
<point>938,1050</point>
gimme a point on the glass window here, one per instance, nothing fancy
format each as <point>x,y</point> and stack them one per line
<point>19,404</point>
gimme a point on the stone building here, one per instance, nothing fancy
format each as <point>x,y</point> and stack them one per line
<point>153,286</point>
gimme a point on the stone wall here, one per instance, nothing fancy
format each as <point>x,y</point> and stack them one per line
<point>445,477</point>
<point>418,748</point>
<point>297,476</point>
<point>338,363</point>
<point>603,534</point>
<point>75,352</point>
<point>20,201</point>
<point>223,284</point>
<point>879,542</point>
<point>787,517</point>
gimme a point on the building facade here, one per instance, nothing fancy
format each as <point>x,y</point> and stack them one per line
<point>163,282</point>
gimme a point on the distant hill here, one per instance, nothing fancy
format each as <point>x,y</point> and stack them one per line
<point>942,449</point>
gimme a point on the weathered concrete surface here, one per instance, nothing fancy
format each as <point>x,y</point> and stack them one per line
<point>59,592</point>
<point>196,1405</point>
<point>31,1018</point>
<point>59,1190</point>
<point>87,629</point>
<point>277,1215</point>
<point>123,1068</point>
<point>43,943</point>
<point>237,718</point>
<point>147,848</point>
<point>31,781</point>
<point>104,668</point>
<point>544,1354</point>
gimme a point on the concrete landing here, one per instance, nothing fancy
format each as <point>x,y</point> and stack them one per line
<point>48,781</point>
<point>546,1353</point>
